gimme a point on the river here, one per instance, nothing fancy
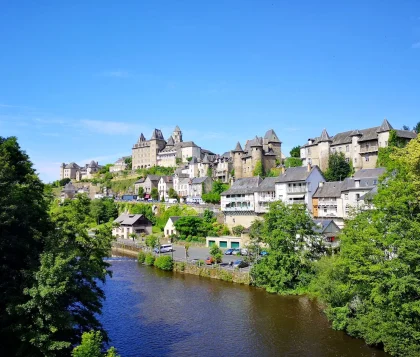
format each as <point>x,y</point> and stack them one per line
<point>149,312</point>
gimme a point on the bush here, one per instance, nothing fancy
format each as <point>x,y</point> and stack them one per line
<point>237,230</point>
<point>216,253</point>
<point>141,257</point>
<point>164,262</point>
<point>149,259</point>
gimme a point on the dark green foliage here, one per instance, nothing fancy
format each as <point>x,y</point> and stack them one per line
<point>338,168</point>
<point>208,216</point>
<point>417,128</point>
<point>164,262</point>
<point>214,195</point>
<point>172,193</point>
<point>237,230</point>
<point>149,259</point>
<point>24,225</point>
<point>372,287</point>
<point>103,210</point>
<point>156,170</point>
<point>293,247</point>
<point>209,172</point>
<point>152,241</point>
<point>105,169</point>
<point>258,169</point>
<point>155,194</point>
<point>61,183</point>
<point>385,153</point>
<point>295,152</point>
<point>216,253</point>
<point>292,162</point>
<point>91,346</point>
<point>137,208</point>
<point>141,257</point>
<point>128,161</point>
<point>141,192</point>
<point>190,226</point>
<point>175,210</point>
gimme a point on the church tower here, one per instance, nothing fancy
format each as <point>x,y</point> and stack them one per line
<point>177,135</point>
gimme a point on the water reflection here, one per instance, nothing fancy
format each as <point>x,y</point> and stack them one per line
<point>149,312</point>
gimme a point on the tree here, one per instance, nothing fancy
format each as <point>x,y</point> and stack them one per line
<point>172,194</point>
<point>293,247</point>
<point>405,127</point>
<point>258,169</point>
<point>208,216</point>
<point>372,287</point>
<point>338,168</point>
<point>141,192</point>
<point>292,162</point>
<point>417,128</point>
<point>209,172</point>
<point>214,195</point>
<point>152,241</point>
<point>238,230</point>
<point>104,169</point>
<point>295,152</point>
<point>67,296</point>
<point>103,210</point>
<point>187,248</point>
<point>129,162</point>
<point>24,224</point>
<point>91,346</point>
<point>155,194</point>
<point>216,253</point>
<point>190,226</point>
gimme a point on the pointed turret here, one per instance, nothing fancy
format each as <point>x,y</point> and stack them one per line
<point>271,136</point>
<point>324,136</point>
<point>157,135</point>
<point>177,128</point>
<point>386,126</point>
<point>142,138</point>
<point>170,141</point>
<point>256,142</point>
<point>205,159</point>
<point>238,147</point>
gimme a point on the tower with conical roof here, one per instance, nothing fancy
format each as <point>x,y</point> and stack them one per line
<point>237,160</point>
<point>177,135</point>
<point>324,149</point>
<point>157,144</point>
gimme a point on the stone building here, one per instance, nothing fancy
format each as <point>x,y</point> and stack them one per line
<point>119,165</point>
<point>359,146</point>
<point>158,152</point>
<point>77,173</point>
<point>266,150</point>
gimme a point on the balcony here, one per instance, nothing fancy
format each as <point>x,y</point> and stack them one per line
<point>296,189</point>
<point>235,199</point>
<point>238,208</point>
<point>266,199</point>
<point>370,148</point>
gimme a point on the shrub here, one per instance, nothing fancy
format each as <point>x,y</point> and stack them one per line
<point>141,257</point>
<point>164,262</point>
<point>216,253</point>
<point>149,259</point>
<point>237,230</point>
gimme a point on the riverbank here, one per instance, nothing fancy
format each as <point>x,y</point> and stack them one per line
<point>207,271</point>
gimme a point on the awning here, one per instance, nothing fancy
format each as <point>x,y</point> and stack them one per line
<point>147,196</point>
<point>297,197</point>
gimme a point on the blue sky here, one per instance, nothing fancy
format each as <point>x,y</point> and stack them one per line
<point>81,81</point>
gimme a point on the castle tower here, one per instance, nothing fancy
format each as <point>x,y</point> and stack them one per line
<point>324,149</point>
<point>157,144</point>
<point>272,141</point>
<point>177,135</point>
<point>355,149</point>
<point>62,166</point>
<point>256,151</point>
<point>237,161</point>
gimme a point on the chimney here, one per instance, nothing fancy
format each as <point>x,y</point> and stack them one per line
<point>309,167</point>
<point>357,183</point>
<point>320,184</point>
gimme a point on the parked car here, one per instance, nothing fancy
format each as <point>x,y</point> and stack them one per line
<point>240,264</point>
<point>263,253</point>
<point>244,251</point>
<point>236,251</point>
<point>229,252</point>
<point>209,260</point>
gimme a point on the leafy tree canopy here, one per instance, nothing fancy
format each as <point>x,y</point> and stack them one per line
<point>292,162</point>
<point>338,168</point>
<point>295,152</point>
<point>259,169</point>
<point>91,346</point>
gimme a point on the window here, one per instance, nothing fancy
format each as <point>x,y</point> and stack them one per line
<point>355,160</point>
<point>325,210</point>
<point>309,151</point>
<point>386,143</point>
<point>357,196</point>
<point>333,150</point>
<point>375,182</point>
<point>347,148</point>
<point>367,158</point>
<point>347,159</point>
<point>346,196</point>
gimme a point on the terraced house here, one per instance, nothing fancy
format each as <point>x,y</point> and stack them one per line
<point>360,147</point>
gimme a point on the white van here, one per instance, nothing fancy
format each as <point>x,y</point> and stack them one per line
<point>164,248</point>
<point>172,200</point>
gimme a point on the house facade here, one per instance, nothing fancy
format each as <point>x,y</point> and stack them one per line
<point>164,184</point>
<point>339,200</point>
<point>119,165</point>
<point>77,173</point>
<point>131,223</point>
<point>360,147</point>
<point>200,185</point>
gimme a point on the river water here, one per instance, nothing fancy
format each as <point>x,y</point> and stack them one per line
<point>149,312</point>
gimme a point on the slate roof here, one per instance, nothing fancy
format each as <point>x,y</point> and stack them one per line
<point>369,195</point>
<point>186,144</point>
<point>198,180</point>
<point>140,180</point>
<point>369,173</point>
<point>142,138</point>
<point>177,128</point>
<point>271,136</point>
<point>322,224</point>
<point>238,147</point>
<point>129,219</point>
<point>267,185</point>
<point>170,142</point>
<point>157,134</point>
<point>208,152</point>
<point>243,186</point>
<point>167,179</point>
<point>205,160</point>
<point>69,187</point>
<point>329,189</point>
<point>296,174</point>
<point>386,126</point>
<point>93,164</point>
<point>153,177</point>
<point>324,136</point>
<point>72,165</point>
<point>174,218</point>
<point>406,134</point>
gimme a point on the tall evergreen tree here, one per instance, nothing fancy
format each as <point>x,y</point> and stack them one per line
<point>338,168</point>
